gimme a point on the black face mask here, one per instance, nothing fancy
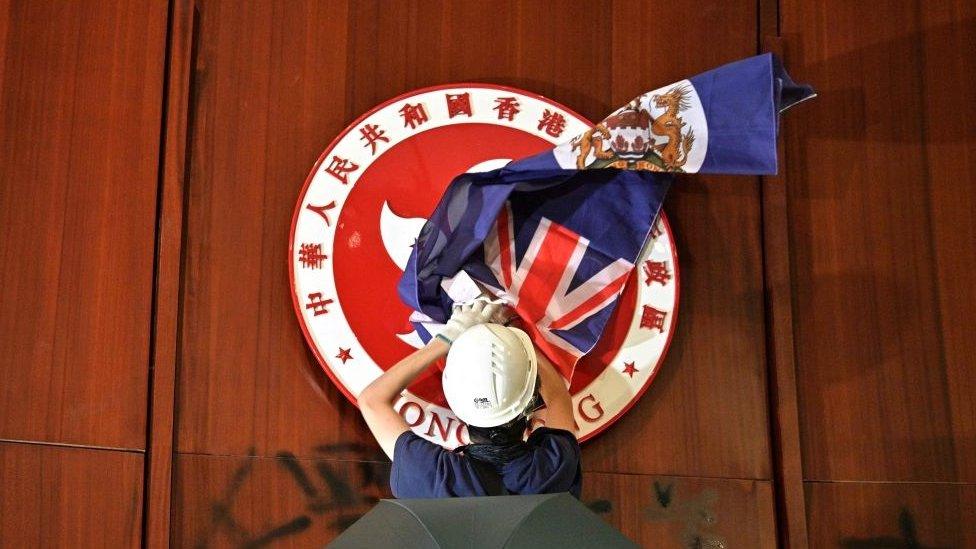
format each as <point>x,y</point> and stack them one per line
<point>501,444</point>
<point>498,445</point>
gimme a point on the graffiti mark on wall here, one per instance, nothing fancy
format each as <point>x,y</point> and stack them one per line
<point>695,513</point>
<point>330,494</point>
<point>907,539</point>
<point>599,506</point>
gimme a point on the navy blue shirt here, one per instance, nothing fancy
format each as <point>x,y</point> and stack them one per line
<point>422,469</point>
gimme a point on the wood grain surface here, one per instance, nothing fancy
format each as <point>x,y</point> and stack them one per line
<point>56,496</point>
<point>261,116</point>
<point>79,146</point>
<point>881,201</point>
<point>151,156</point>
<point>949,118</point>
<point>224,501</point>
<point>862,515</point>
<point>659,511</point>
<point>784,410</point>
<point>233,501</point>
<point>169,264</point>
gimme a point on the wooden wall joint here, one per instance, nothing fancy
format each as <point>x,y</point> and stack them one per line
<point>168,273</point>
<point>781,358</point>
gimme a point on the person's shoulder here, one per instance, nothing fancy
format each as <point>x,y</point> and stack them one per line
<point>414,451</point>
<point>541,431</point>
<point>423,469</point>
<point>552,464</point>
<point>409,443</point>
<point>554,444</point>
<point>543,435</point>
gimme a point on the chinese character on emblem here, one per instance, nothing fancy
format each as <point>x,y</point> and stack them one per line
<point>371,134</point>
<point>652,319</point>
<point>413,115</point>
<point>317,304</point>
<point>339,167</point>
<point>552,122</point>
<point>507,108</point>
<point>311,256</point>
<point>459,103</point>
<point>656,271</point>
<point>321,211</point>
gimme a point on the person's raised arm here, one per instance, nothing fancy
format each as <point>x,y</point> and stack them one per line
<point>552,388</point>
<point>376,400</point>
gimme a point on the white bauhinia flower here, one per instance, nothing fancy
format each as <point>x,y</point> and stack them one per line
<point>400,233</point>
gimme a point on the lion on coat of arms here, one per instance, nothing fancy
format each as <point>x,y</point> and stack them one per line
<point>629,135</point>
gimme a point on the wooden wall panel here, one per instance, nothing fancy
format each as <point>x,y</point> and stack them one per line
<point>55,496</point>
<point>684,511</point>
<point>260,118</point>
<point>787,455</point>
<point>881,209</point>
<point>856,515</point>
<point>223,501</point>
<point>80,108</point>
<point>705,414</point>
<point>545,47</point>
<point>949,119</point>
<point>168,280</point>
<point>881,196</point>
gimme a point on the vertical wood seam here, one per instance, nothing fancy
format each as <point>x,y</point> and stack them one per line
<point>167,276</point>
<point>780,352</point>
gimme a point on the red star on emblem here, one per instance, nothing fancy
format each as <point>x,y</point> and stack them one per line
<point>344,355</point>
<point>629,369</point>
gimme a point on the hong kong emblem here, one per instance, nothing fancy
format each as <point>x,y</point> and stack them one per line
<point>363,205</point>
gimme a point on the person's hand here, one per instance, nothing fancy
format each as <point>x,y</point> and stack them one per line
<point>503,314</point>
<point>471,313</point>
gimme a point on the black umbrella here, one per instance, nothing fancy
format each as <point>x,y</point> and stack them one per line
<point>546,520</point>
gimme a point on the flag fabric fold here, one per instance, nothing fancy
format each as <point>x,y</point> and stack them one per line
<point>557,234</point>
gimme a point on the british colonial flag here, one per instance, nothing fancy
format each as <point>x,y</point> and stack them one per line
<point>545,282</point>
<point>557,234</point>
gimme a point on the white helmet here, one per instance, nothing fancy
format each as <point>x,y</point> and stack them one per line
<point>490,375</point>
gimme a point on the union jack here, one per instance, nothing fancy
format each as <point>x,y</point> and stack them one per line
<point>538,285</point>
